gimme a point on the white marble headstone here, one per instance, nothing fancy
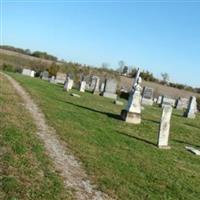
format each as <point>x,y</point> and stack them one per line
<point>164,130</point>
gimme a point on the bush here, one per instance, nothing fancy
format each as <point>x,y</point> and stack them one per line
<point>8,67</point>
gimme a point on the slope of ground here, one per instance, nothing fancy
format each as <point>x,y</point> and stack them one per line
<point>122,158</point>
<point>26,172</point>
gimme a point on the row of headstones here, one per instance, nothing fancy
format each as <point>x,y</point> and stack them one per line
<point>132,113</point>
<point>28,72</point>
<point>181,103</point>
<point>107,88</point>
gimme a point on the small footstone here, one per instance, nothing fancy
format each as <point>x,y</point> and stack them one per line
<point>118,102</point>
<point>75,95</point>
<point>193,150</point>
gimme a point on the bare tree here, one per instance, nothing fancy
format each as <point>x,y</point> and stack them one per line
<point>165,77</point>
<point>121,64</point>
<point>104,65</point>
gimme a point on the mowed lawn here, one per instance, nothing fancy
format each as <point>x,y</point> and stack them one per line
<point>122,159</point>
<point>26,172</point>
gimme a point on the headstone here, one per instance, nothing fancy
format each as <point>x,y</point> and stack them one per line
<point>132,113</point>
<point>110,89</point>
<point>96,81</point>
<point>164,130</point>
<point>75,95</point>
<point>182,103</point>
<point>147,96</point>
<point>68,84</point>
<point>52,79</point>
<point>82,86</point>
<point>193,150</point>
<point>117,102</point>
<point>60,78</point>
<point>102,87</point>
<point>45,75</point>
<point>159,100</point>
<point>168,102</point>
<point>192,108</point>
<point>28,72</point>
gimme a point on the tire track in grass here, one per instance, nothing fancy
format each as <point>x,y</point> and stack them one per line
<point>70,169</point>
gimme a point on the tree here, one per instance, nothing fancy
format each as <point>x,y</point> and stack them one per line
<point>121,64</point>
<point>104,65</point>
<point>53,69</point>
<point>125,70</point>
<point>165,77</point>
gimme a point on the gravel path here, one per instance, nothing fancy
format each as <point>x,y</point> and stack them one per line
<point>73,174</point>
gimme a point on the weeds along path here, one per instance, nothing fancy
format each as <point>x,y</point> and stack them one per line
<point>70,169</point>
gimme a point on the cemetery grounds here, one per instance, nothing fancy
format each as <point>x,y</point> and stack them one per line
<point>122,159</point>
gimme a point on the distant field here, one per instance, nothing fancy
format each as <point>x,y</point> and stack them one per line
<point>26,172</point>
<point>122,158</point>
<point>19,59</point>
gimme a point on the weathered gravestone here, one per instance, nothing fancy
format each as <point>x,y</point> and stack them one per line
<point>95,81</point>
<point>164,130</point>
<point>60,78</point>
<point>159,100</point>
<point>110,89</point>
<point>132,113</point>
<point>45,75</point>
<point>68,84</point>
<point>117,102</point>
<point>82,86</point>
<point>192,108</point>
<point>147,96</point>
<point>52,80</point>
<point>168,101</point>
<point>102,87</point>
<point>28,72</point>
<point>182,103</point>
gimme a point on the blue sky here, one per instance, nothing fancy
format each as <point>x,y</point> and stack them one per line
<point>156,36</point>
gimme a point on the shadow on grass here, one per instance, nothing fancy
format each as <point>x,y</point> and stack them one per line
<point>151,120</point>
<point>178,115</point>
<point>111,115</point>
<point>186,143</point>
<point>137,138</point>
<point>192,125</point>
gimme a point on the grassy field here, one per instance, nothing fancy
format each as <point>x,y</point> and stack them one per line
<point>25,170</point>
<point>122,158</point>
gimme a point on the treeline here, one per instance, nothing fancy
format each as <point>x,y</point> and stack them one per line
<point>38,54</point>
<point>148,76</point>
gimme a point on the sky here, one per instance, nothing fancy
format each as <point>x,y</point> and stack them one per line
<point>159,36</point>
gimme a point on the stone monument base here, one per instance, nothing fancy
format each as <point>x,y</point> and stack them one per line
<point>148,102</point>
<point>164,147</point>
<point>96,92</point>
<point>130,117</point>
<point>110,95</point>
<point>189,115</point>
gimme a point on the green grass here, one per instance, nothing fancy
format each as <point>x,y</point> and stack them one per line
<point>26,172</point>
<point>122,158</point>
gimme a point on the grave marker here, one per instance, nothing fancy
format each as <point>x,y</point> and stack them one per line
<point>110,89</point>
<point>164,130</point>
